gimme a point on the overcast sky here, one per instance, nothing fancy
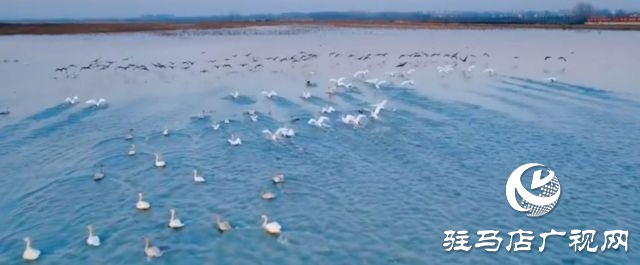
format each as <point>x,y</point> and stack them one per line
<point>16,9</point>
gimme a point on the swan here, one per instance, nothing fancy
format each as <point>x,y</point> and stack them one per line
<point>277,179</point>
<point>272,227</point>
<point>158,161</point>
<point>381,104</point>
<point>377,108</point>
<point>165,132</point>
<point>92,240</point>
<point>360,74</point>
<point>71,100</point>
<point>328,109</point>
<point>352,120</point>
<point>267,195</point>
<point>253,117</point>
<point>151,252</point>
<point>97,103</point>
<point>29,252</point>
<point>407,83</point>
<point>215,126</point>
<point>336,81</point>
<point>132,150</point>
<point>331,90</point>
<point>174,222</point>
<point>273,136</point>
<point>196,177</point>
<point>129,136</point>
<point>223,226</point>
<point>444,69</point>
<point>551,79</point>
<point>376,82</point>
<point>234,140</point>
<point>234,94</point>
<point>285,132</point>
<point>99,175</point>
<point>306,95</point>
<point>319,122</point>
<point>490,71</point>
<point>142,204</point>
<point>269,94</point>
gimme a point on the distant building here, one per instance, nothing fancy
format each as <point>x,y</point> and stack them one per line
<point>629,20</point>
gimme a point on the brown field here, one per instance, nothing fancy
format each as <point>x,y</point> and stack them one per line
<point>115,27</point>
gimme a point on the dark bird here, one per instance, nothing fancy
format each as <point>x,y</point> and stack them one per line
<point>464,60</point>
<point>485,54</point>
<point>547,57</point>
<point>401,64</point>
<point>562,58</point>
<point>5,112</point>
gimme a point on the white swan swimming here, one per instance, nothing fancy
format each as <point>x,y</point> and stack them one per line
<point>336,81</point>
<point>272,227</point>
<point>129,136</point>
<point>223,226</point>
<point>285,132</point>
<point>278,178</point>
<point>269,94</point>
<point>253,117</point>
<point>71,100</point>
<point>234,140</point>
<point>381,104</point>
<point>132,150</point>
<point>328,109</point>
<point>352,120</point>
<point>30,253</point>
<point>196,177</point>
<point>215,126</point>
<point>490,71</point>
<point>267,195</point>
<point>142,204</point>
<point>158,161</point>
<point>92,240</point>
<point>165,132</point>
<point>99,175</point>
<point>360,74</point>
<point>377,83</point>
<point>97,103</point>
<point>174,222</point>
<point>444,69</point>
<point>319,122</point>
<point>407,83</point>
<point>306,95</point>
<point>151,252</point>
<point>331,90</point>
<point>273,136</point>
<point>234,94</point>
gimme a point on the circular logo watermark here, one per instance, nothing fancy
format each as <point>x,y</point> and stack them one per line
<point>534,205</point>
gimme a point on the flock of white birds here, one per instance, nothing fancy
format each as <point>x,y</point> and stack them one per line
<point>355,120</point>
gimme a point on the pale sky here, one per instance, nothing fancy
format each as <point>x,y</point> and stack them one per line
<point>39,9</point>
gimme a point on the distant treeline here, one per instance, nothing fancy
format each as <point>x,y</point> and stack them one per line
<point>575,16</point>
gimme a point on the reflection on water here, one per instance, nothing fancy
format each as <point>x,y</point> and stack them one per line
<point>437,159</point>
